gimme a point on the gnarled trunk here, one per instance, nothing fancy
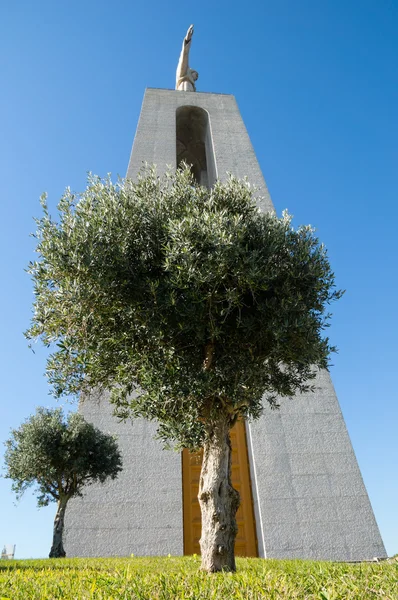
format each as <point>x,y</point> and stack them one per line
<point>218,500</point>
<point>57,549</point>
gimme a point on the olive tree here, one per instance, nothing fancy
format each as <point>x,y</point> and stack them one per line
<point>191,306</point>
<point>61,455</point>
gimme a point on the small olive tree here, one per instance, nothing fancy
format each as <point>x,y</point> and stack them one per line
<point>61,456</point>
<point>192,299</point>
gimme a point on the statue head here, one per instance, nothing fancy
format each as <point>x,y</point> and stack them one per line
<point>194,74</point>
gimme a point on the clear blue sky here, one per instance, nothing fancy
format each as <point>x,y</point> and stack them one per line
<point>316,83</point>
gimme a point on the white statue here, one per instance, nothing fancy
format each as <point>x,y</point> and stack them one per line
<point>186,77</point>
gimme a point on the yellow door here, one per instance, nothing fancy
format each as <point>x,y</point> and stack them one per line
<point>246,542</point>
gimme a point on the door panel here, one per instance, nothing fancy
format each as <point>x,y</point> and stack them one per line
<point>246,542</point>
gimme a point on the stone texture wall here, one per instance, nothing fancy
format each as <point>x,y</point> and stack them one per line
<point>309,491</point>
<point>140,512</point>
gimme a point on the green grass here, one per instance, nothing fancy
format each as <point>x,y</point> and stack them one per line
<point>178,578</point>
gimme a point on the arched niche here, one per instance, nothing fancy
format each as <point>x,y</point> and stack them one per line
<point>194,143</point>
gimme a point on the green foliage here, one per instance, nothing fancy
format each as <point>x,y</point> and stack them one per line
<point>190,297</point>
<point>60,455</point>
<point>180,579</point>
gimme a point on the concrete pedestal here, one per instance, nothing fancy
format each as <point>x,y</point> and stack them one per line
<point>309,497</point>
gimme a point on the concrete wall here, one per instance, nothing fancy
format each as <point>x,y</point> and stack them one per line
<point>155,138</point>
<point>140,512</point>
<point>308,489</point>
<point>309,497</point>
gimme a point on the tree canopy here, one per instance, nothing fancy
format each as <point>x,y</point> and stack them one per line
<point>60,455</point>
<point>190,297</point>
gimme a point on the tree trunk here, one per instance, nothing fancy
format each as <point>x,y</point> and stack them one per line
<point>218,500</point>
<point>57,549</point>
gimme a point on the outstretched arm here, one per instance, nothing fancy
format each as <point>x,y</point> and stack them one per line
<point>182,67</point>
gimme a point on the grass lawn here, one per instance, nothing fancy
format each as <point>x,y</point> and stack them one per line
<point>180,578</point>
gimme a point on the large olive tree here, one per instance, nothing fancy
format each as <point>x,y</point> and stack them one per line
<point>191,306</point>
<point>60,456</point>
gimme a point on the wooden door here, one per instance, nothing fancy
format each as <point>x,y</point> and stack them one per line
<point>246,541</point>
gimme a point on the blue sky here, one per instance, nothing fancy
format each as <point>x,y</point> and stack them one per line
<point>316,83</point>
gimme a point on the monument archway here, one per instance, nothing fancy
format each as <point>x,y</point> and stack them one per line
<point>194,144</point>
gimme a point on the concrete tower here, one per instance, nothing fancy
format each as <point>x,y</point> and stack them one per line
<point>302,490</point>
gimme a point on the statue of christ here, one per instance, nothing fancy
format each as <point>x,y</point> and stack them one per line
<point>186,77</point>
